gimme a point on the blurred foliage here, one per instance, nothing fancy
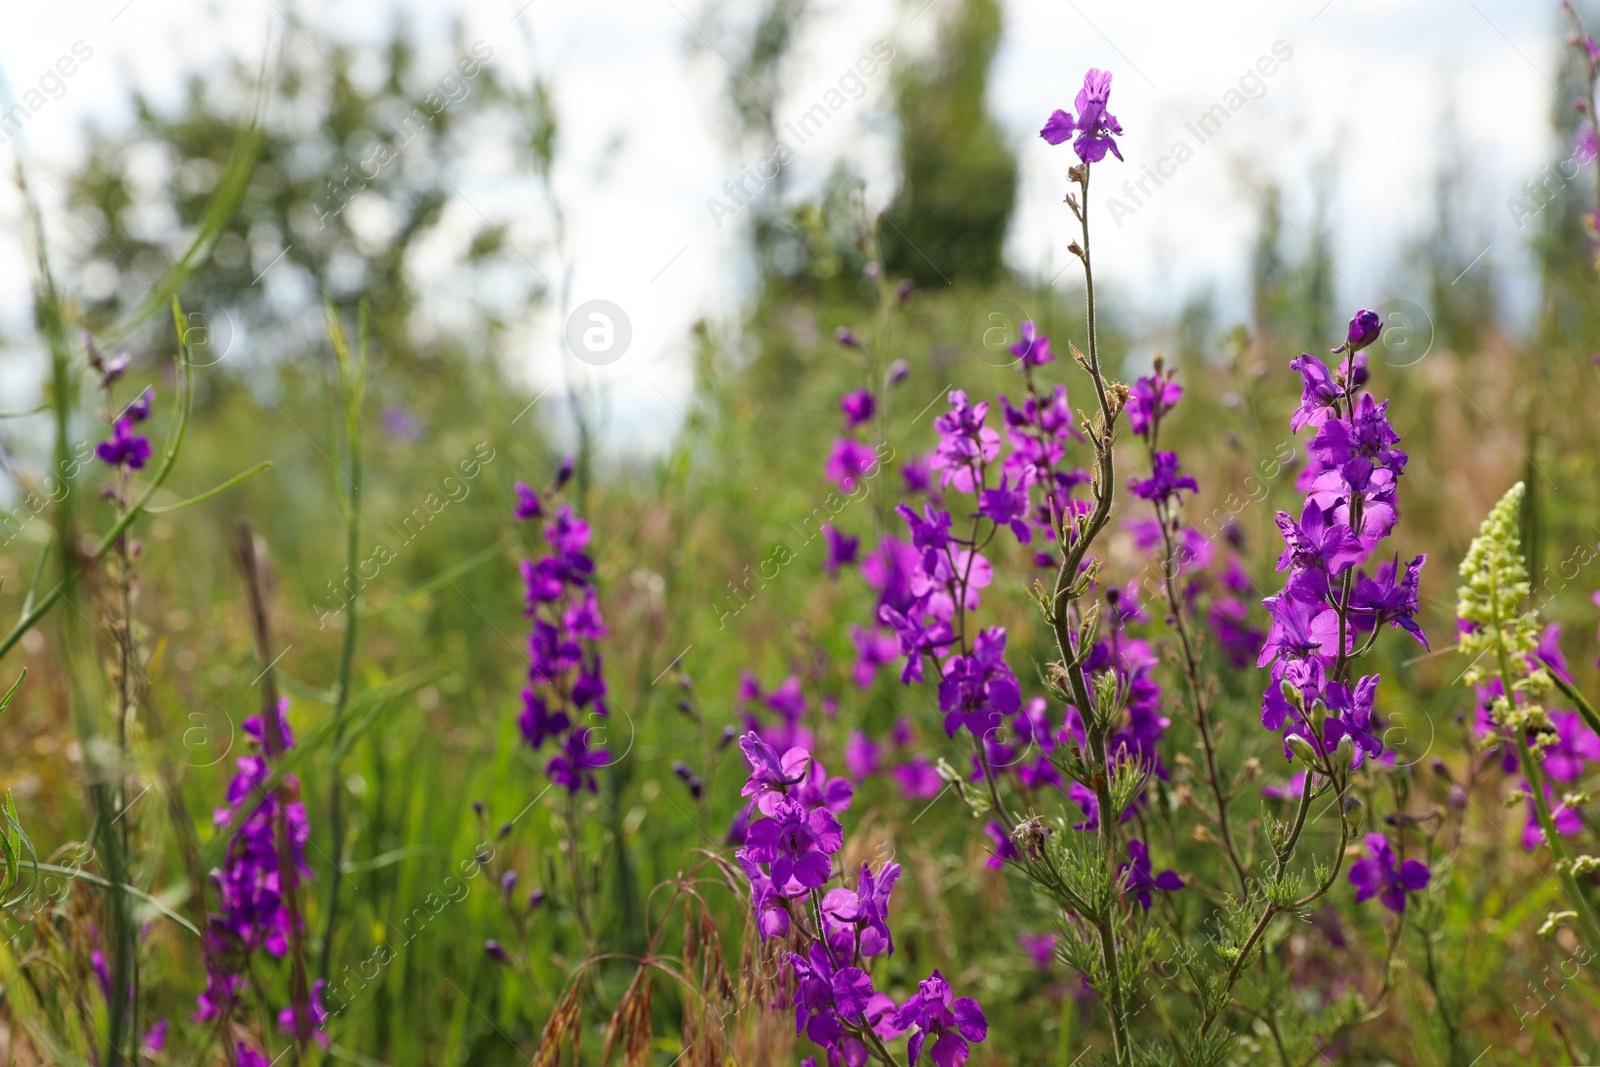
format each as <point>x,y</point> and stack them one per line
<point>958,180</point>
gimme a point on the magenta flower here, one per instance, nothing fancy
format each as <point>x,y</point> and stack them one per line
<point>1381,876</point>
<point>528,506</point>
<point>1151,397</point>
<point>1318,393</point>
<point>796,844</point>
<point>1033,349</point>
<point>861,756</point>
<point>1004,850</point>
<point>842,549</point>
<point>951,1023</point>
<point>1094,126</point>
<point>918,779</point>
<point>874,648</point>
<point>1041,948</point>
<point>858,407</point>
<point>1005,506</point>
<point>1135,879</point>
<point>1164,482</point>
<point>849,460</point>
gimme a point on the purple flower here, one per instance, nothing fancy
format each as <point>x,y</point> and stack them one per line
<point>1241,643</point>
<point>1350,715</point>
<point>1358,446</point>
<point>1135,878</point>
<point>951,1023</point>
<point>1005,506</point>
<point>1033,349</point>
<point>825,994</point>
<point>1391,597</point>
<point>1290,790</point>
<point>849,460</point>
<point>965,443</point>
<point>842,549</point>
<point>772,915</point>
<point>861,756</point>
<point>1317,542</point>
<point>1004,850</point>
<point>1379,875</point>
<point>1094,125</point>
<point>1575,745</point>
<point>139,410</point>
<point>858,407</point>
<point>125,448</point>
<point>1318,394</point>
<point>1164,482</point>
<point>528,506</point>
<point>155,1039</point>
<point>864,913</point>
<point>795,844</point>
<point>874,648</point>
<point>1041,948</point>
<point>1548,653</point>
<point>1151,397</point>
<point>537,722</point>
<point>918,779</point>
<point>1364,329</point>
<point>401,424</point>
<point>977,689</point>
<point>845,336</point>
<point>1567,820</point>
<point>574,767</point>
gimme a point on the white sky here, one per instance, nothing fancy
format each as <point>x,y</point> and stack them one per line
<point>644,135</point>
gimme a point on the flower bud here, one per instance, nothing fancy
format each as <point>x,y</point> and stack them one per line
<point>1364,329</point>
<point>898,371</point>
<point>845,336</point>
<point>496,951</point>
<point>1301,748</point>
<point>1319,715</point>
<point>564,472</point>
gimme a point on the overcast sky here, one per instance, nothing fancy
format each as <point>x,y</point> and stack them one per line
<point>1362,94</point>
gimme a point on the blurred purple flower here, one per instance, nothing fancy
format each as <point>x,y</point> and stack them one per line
<point>858,407</point>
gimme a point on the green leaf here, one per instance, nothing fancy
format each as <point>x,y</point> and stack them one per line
<point>209,493</point>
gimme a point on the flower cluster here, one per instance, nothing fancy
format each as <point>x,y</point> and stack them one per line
<point>1329,611</point>
<point>254,903</point>
<point>565,680</point>
<point>1508,644</point>
<point>789,860</point>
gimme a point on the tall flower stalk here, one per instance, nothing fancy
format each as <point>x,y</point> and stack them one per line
<point>1515,678</point>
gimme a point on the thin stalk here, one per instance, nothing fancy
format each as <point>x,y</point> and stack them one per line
<point>352,387</point>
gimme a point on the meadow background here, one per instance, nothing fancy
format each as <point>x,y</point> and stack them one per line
<point>550,177</point>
